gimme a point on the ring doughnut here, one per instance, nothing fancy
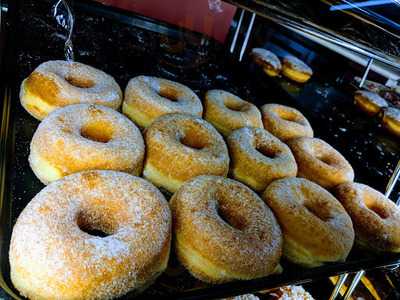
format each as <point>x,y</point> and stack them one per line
<point>258,158</point>
<point>85,137</point>
<point>285,122</point>
<point>376,218</point>
<point>180,147</point>
<point>59,83</point>
<point>228,112</point>
<point>316,228</point>
<point>224,231</point>
<point>83,238</point>
<point>296,69</point>
<point>147,98</point>
<point>320,162</point>
<point>369,102</point>
<point>267,60</point>
<point>391,120</point>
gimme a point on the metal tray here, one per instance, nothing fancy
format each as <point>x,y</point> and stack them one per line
<point>137,50</point>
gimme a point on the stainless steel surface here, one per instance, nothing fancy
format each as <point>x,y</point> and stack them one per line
<point>235,37</point>
<point>353,284</point>
<point>369,64</point>
<point>246,38</point>
<point>339,284</point>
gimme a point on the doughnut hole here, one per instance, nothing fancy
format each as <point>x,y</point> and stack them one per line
<point>195,138</point>
<point>96,221</point>
<point>290,116</point>
<point>372,205</point>
<point>314,205</point>
<point>97,131</point>
<point>169,93</point>
<point>267,150</point>
<point>230,212</point>
<point>79,82</point>
<point>236,105</point>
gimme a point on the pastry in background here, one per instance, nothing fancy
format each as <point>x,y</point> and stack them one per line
<point>369,102</point>
<point>291,292</point>
<point>391,120</point>
<point>295,69</point>
<point>267,60</point>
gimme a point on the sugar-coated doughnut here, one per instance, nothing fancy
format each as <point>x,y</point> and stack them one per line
<point>296,69</point>
<point>376,218</point>
<point>228,112</point>
<point>316,228</point>
<point>147,98</point>
<point>320,162</point>
<point>258,157</point>
<point>285,122</point>
<point>391,120</point>
<point>267,60</point>
<point>59,83</point>
<point>56,253</point>
<point>180,147</point>
<point>85,137</point>
<point>224,231</point>
<point>369,102</point>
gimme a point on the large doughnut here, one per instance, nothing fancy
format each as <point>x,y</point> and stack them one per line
<point>85,137</point>
<point>369,102</point>
<point>267,60</point>
<point>180,147</point>
<point>224,231</point>
<point>228,112</point>
<point>285,122</point>
<point>320,162</point>
<point>147,98</point>
<point>91,235</point>
<point>296,69</point>
<point>376,218</point>
<point>58,83</point>
<point>391,120</point>
<point>258,158</point>
<point>316,228</point>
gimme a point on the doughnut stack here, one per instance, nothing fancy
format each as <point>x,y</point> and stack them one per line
<point>99,231</point>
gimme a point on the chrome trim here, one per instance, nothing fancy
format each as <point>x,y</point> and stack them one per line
<point>234,40</point>
<point>369,64</point>
<point>246,38</point>
<point>353,284</point>
<point>339,284</point>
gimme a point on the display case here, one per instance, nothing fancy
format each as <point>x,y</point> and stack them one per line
<point>206,45</point>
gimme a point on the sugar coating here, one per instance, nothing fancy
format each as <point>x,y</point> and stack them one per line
<point>373,97</point>
<point>392,113</point>
<point>292,292</point>
<point>297,64</point>
<point>267,57</point>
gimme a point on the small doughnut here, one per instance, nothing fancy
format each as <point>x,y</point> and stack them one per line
<point>91,235</point>
<point>285,122</point>
<point>376,218</point>
<point>267,60</point>
<point>316,228</point>
<point>295,69</point>
<point>147,98</point>
<point>228,112</point>
<point>320,162</point>
<point>224,231</point>
<point>258,158</point>
<point>369,102</point>
<point>180,147</point>
<point>391,120</point>
<point>85,137</point>
<point>59,83</point>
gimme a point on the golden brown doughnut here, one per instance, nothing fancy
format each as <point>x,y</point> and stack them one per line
<point>296,69</point>
<point>391,120</point>
<point>258,158</point>
<point>267,60</point>
<point>224,231</point>
<point>228,112</point>
<point>320,162</point>
<point>180,147</point>
<point>54,253</point>
<point>376,218</point>
<point>316,228</point>
<point>369,102</point>
<point>285,122</point>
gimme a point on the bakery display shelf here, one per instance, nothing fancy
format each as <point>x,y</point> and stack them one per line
<point>124,51</point>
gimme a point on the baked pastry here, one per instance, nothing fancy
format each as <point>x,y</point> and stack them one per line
<point>228,112</point>
<point>224,231</point>
<point>83,238</point>
<point>85,137</point>
<point>316,228</point>
<point>147,98</point>
<point>291,292</point>
<point>369,102</point>
<point>320,162</point>
<point>391,120</point>
<point>285,122</point>
<point>376,218</point>
<point>258,158</point>
<point>59,83</point>
<point>296,69</point>
<point>267,60</point>
<point>180,147</point>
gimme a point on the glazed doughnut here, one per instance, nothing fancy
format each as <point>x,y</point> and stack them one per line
<point>320,162</point>
<point>391,120</point>
<point>59,83</point>
<point>376,218</point>
<point>57,251</point>
<point>224,231</point>
<point>147,98</point>
<point>285,122</point>
<point>316,228</point>
<point>85,137</point>
<point>258,158</point>
<point>180,147</point>
<point>295,69</point>
<point>267,60</point>
<point>228,112</point>
<point>369,102</point>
